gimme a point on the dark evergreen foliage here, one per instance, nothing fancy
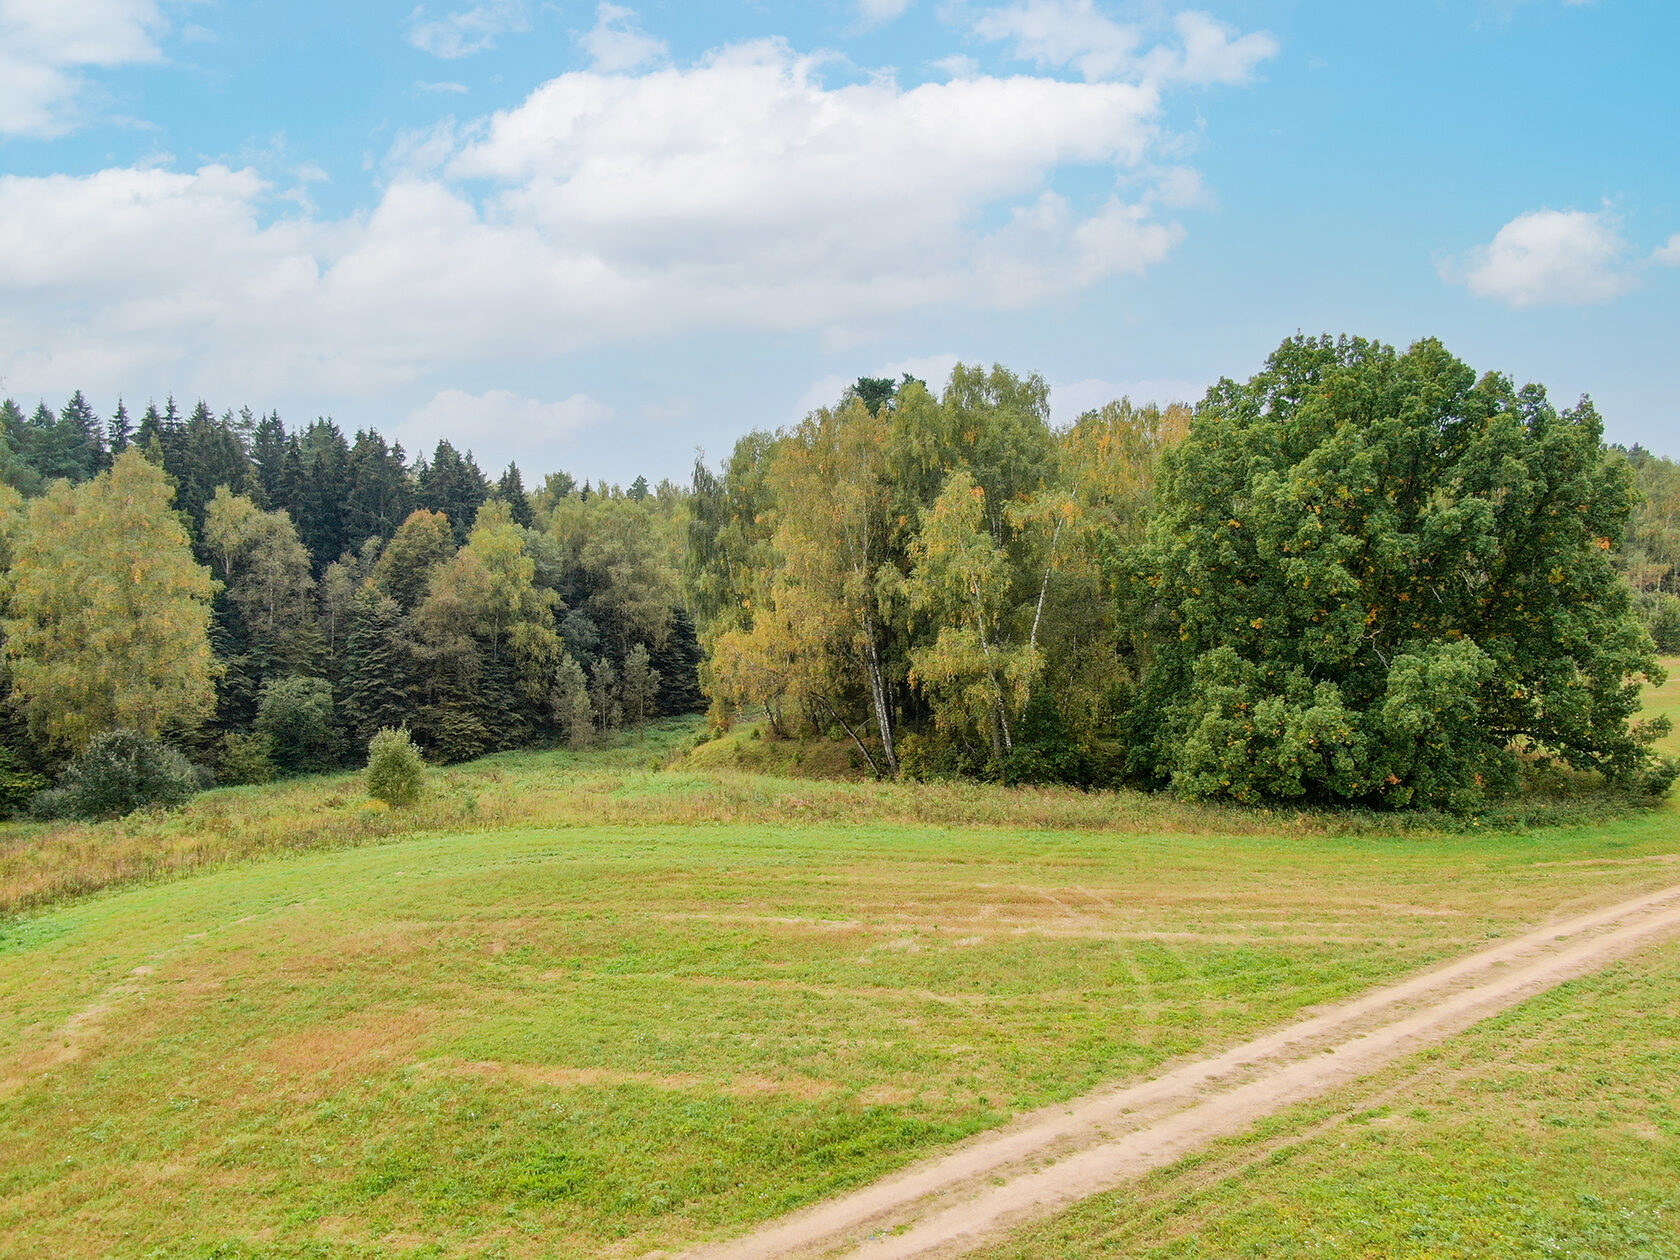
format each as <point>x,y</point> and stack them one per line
<point>678,662</point>
<point>378,668</point>
<point>510,489</point>
<point>452,484</point>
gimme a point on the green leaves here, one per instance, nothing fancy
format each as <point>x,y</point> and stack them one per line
<point>1383,577</point>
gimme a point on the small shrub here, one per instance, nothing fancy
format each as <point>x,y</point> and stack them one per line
<point>247,758</point>
<point>118,773</point>
<point>297,715</point>
<point>395,770</point>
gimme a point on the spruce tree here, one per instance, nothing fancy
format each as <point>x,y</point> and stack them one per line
<point>378,668</point>
<point>452,484</point>
<point>269,444</point>
<point>678,662</point>
<point>381,493</point>
<point>321,498</point>
<point>511,490</point>
<point>120,430</point>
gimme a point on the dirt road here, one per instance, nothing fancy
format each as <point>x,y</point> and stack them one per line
<point>1056,1156</point>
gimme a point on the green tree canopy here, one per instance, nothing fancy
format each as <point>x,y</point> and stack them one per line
<point>108,615</point>
<point>1377,578</point>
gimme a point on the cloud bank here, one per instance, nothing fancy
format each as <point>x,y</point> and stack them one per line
<point>45,45</point>
<point>614,205</point>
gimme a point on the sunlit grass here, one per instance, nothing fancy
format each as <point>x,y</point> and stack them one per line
<point>595,1004</point>
<point>1664,701</point>
<point>1551,1130</point>
<point>546,1041</point>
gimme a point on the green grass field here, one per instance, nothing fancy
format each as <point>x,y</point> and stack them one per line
<point>581,1006</point>
<point>1551,1130</point>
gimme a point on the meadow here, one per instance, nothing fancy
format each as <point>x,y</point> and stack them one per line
<point>605,1003</point>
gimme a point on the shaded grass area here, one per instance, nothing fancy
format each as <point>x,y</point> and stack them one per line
<point>595,1041</point>
<point>1551,1130</point>
<point>1664,701</point>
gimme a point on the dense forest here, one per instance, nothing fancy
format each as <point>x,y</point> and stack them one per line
<point>268,599</point>
<point>1363,577</point>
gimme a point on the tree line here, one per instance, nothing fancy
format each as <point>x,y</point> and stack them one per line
<point>1363,577</point>
<point>267,599</point>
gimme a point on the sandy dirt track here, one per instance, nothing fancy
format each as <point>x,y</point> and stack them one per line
<point>1053,1157</point>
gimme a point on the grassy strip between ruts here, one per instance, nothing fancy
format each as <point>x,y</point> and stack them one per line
<point>1550,1130</point>
<point>578,1042</point>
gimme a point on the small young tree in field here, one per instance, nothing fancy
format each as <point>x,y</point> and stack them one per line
<point>603,696</point>
<point>395,771</point>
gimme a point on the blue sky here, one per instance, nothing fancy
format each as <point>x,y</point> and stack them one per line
<point>598,236</point>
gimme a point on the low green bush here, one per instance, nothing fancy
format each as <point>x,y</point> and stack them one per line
<point>118,773</point>
<point>395,770</point>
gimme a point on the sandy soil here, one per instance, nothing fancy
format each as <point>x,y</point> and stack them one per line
<point>1054,1157</point>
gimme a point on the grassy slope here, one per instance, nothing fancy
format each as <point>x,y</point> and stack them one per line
<point>1664,701</point>
<point>576,1039</point>
<point>545,1040</point>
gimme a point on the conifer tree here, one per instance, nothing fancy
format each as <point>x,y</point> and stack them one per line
<point>378,667</point>
<point>452,484</point>
<point>381,494</point>
<point>269,444</point>
<point>80,437</point>
<point>120,430</point>
<point>511,490</point>
<point>320,494</point>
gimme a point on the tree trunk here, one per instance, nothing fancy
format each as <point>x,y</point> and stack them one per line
<point>878,694</point>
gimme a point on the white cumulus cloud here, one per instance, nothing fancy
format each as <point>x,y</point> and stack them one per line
<point>1548,258</point>
<point>617,41</point>
<point>741,192</point>
<point>1668,255</point>
<point>880,12</point>
<point>45,45</point>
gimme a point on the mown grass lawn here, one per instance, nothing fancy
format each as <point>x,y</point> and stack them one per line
<point>1552,1130</point>
<point>583,1041</point>
<point>582,1006</point>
